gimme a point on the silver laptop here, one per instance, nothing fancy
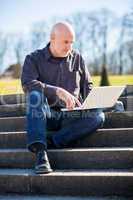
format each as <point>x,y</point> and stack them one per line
<point>101,97</point>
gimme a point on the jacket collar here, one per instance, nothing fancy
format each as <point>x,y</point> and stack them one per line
<point>48,54</point>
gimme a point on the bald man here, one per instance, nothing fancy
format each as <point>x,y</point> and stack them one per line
<point>53,78</point>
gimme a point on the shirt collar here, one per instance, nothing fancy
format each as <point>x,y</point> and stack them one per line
<point>49,55</point>
<point>47,52</point>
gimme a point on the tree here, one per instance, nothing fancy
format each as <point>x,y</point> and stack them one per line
<point>93,41</point>
<point>19,47</point>
<point>125,35</point>
<point>38,35</point>
<point>80,24</point>
<point>104,77</point>
<point>13,71</point>
<point>99,27</point>
<point>3,48</point>
<point>105,17</point>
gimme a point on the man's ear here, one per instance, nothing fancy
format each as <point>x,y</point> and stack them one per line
<point>52,37</point>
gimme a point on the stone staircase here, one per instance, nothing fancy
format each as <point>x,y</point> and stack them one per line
<point>100,165</point>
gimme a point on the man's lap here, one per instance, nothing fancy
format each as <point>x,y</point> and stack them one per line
<point>61,119</point>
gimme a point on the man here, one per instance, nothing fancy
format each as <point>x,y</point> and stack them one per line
<point>52,78</point>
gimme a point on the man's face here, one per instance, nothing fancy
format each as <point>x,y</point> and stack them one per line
<point>62,43</point>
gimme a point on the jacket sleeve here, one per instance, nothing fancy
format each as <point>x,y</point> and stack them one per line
<point>30,76</point>
<point>86,83</point>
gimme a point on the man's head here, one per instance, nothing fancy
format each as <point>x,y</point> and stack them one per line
<point>61,39</point>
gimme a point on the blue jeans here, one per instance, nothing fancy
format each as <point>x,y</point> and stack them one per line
<point>69,126</point>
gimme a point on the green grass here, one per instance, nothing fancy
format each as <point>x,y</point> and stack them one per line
<point>8,86</point>
<point>115,80</point>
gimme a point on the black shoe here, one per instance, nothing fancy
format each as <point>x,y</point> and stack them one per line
<point>42,163</point>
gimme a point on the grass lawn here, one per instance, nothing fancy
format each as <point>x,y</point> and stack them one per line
<point>8,86</point>
<point>115,80</point>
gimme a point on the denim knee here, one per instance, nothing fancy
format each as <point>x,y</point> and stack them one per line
<point>100,117</point>
<point>99,114</point>
<point>35,98</point>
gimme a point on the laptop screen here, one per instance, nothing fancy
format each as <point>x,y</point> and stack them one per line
<point>103,97</point>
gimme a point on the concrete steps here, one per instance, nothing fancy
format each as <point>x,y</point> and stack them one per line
<point>80,182</point>
<point>128,102</point>
<point>12,124</point>
<point>118,120</point>
<point>12,99</point>
<point>53,197</point>
<point>99,165</point>
<point>11,110</point>
<point>115,137</point>
<point>89,158</point>
<point>19,123</point>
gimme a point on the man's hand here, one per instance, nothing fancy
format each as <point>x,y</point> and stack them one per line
<point>68,98</point>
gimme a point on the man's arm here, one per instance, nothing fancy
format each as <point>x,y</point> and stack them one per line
<point>30,82</point>
<point>30,77</point>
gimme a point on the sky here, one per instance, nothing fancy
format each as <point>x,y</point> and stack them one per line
<point>19,15</point>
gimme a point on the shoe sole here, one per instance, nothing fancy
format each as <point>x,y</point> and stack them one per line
<point>42,171</point>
